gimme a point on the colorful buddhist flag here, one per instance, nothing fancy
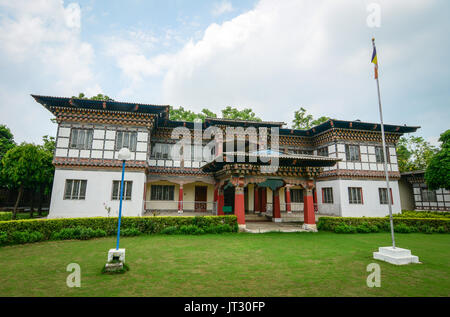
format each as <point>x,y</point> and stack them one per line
<point>375,61</point>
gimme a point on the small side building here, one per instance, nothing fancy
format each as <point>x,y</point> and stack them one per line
<point>415,195</point>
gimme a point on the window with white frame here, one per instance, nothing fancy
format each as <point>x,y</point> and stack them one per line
<point>382,193</point>
<point>296,195</point>
<point>428,195</point>
<point>379,155</point>
<point>323,151</point>
<point>355,195</point>
<point>127,189</point>
<point>81,139</point>
<point>162,151</point>
<point>352,153</point>
<point>75,189</point>
<point>327,195</point>
<point>126,139</point>
<point>162,192</point>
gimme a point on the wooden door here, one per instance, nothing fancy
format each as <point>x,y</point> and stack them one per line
<point>200,198</point>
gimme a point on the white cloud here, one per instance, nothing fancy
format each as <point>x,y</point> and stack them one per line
<point>222,7</point>
<point>41,52</point>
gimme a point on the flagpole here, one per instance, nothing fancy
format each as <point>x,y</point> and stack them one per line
<point>384,153</point>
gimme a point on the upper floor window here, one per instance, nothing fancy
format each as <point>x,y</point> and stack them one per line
<point>355,195</point>
<point>126,139</point>
<point>298,151</point>
<point>323,151</point>
<point>379,155</point>
<point>127,188</point>
<point>75,189</point>
<point>327,195</point>
<point>162,192</point>
<point>162,151</point>
<point>382,193</point>
<point>352,152</point>
<point>297,195</point>
<point>429,195</point>
<point>81,139</point>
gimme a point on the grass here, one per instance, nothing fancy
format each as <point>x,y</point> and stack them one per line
<point>272,264</point>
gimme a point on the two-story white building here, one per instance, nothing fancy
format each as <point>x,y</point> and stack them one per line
<point>335,168</point>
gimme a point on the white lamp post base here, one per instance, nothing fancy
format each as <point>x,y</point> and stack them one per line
<point>116,259</point>
<point>397,256</point>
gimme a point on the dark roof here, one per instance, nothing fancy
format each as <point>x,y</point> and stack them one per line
<point>48,101</point>
<point>284,160</point>
<point>245,123</point>
<point>350,125</point>
<point>413,173</point>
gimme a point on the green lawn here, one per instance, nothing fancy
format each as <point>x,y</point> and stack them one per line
<point>272,264</point>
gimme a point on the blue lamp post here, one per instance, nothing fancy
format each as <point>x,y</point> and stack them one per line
<point>124,155</point>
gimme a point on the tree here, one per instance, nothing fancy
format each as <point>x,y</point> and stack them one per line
<point>245,114</point>
<point>22,169</point>
<point>181,114</point>
<point>437,174</point>
<point>414,153</point>
<point>305,121</point>
<point>6,140</point>
<point>98,97</point>
<point>47,170</point>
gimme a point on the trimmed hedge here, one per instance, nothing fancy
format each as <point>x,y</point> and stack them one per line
<point>5,215</point>
<point>79,228</point>
<point>422,214</point>
<point>381,224</point>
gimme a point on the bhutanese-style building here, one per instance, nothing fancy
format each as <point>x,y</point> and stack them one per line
<point>335,168</point>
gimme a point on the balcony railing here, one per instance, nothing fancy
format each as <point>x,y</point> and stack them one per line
<point>208,207</point>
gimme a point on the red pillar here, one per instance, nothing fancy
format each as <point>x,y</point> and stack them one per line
<point>180,199</point>
<point>256,199</point>
<point>287,198</point>
<point>308,209</point>
<point>239,205</point>
<point>216,195</point>
<point>220,203</point>
<point>276,205</point>
<point>263,200</point>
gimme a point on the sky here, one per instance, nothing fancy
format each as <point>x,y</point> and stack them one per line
<point>271,56</point>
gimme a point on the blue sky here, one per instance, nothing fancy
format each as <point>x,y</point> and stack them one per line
<point>271,56</point>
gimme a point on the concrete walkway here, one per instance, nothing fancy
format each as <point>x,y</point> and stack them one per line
<point>269,226</point>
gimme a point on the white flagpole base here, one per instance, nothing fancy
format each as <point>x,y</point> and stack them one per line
<point>397,256</point>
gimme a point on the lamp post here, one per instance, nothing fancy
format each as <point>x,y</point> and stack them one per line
<point>116,257</point>
<point>124,155</point>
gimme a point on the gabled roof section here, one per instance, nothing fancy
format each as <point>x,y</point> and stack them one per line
<point>243,123</point>
<point>351,125</point>
<point>49,101</point>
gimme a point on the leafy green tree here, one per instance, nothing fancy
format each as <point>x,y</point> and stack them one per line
<point>6,140</point>
<point>437,174</point>
<point>245,114</point>
<point>305,121</point>
<point>182,114</point>
<point>98,97</point>
<point>414,153</point>
<point>22,169</point>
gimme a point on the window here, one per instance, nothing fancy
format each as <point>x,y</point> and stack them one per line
<point>352,152</point>
<point>327,195</point>
<point>162,192</point>
<point>429,195</point>
<point>126,139</point>
<point>75,189</point>
<point>298,151</point>
<point>355,195</point>
<point>127,188</point>
<point>323,151</point>
<point>382,193</point>
<point>297,195</point>
<point>81,139</point>
<point>379,155</point>
<point>162,151</point>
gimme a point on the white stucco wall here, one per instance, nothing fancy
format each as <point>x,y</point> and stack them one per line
<point>98,193</point>
<point>371,206</point>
